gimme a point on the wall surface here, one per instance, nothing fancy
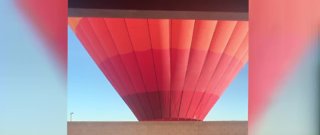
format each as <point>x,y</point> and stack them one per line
<point>159,128</point>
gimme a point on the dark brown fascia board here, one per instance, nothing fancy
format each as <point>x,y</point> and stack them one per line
<point>176,9</point>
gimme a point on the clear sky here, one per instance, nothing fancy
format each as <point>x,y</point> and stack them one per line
<point>32,92</point>
<point>92,98</point>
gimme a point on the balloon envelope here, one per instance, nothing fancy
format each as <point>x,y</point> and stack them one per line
<point>166,69</point>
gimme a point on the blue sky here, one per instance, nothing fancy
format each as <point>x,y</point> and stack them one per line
<point>92,98</point>
<point>32,91</point>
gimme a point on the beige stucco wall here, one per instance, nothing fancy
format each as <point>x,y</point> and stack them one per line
<point>158,128</point>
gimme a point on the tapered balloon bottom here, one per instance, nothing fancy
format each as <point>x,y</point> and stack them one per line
<point>171,105</point>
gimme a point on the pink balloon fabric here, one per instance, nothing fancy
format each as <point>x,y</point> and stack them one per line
<point>166,69</point>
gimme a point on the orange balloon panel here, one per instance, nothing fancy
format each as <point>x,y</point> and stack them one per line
<point>166,69</point>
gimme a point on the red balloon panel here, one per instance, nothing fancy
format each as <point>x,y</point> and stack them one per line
<point>166,69</point>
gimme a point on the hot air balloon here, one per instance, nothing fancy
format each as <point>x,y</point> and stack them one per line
<point>166,69</point>
<point>48,18</point>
